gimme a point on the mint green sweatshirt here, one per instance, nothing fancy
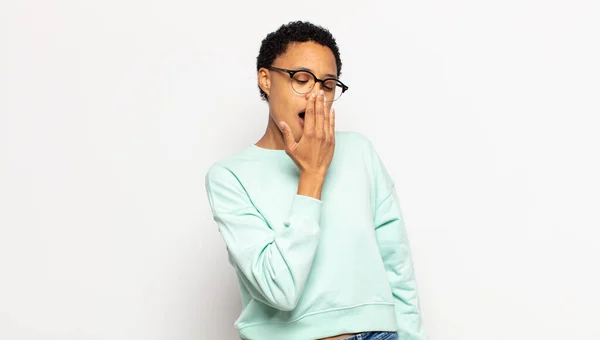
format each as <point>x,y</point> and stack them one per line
<point>310,268</point>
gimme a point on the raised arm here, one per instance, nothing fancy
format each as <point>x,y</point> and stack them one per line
<point>274,261</point>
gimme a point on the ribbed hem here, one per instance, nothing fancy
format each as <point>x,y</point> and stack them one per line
<point>364,318</point>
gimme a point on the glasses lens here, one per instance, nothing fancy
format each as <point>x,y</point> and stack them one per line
<point>303,82</point>
<point>332,89</point>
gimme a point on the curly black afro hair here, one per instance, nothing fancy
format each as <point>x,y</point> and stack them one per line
<point>276,43</point>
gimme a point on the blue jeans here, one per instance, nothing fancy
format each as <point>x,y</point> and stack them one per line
<point>374,336</point>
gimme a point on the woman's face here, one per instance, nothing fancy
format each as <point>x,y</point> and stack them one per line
<point>285,104</point>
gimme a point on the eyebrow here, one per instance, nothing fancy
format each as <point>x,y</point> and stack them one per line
<point>328,75</point>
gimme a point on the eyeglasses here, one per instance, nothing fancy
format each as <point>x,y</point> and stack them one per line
<point>303,82</point>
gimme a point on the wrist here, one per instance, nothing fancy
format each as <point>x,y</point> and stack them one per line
<point>313,174</point>
<point>311,184</point>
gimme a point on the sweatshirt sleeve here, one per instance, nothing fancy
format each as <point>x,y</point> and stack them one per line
<point>395,250</point>
<point>272,261</point>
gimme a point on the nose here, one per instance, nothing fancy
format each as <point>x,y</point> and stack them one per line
<point>314,90</point>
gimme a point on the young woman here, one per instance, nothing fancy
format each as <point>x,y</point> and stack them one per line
<point>316,237</point>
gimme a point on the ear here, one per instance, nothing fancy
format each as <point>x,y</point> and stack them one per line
<point>264,80</point>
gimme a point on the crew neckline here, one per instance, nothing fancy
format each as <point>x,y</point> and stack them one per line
<point>264,152</point>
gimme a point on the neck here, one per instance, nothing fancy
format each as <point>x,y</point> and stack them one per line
<point>273,138</point>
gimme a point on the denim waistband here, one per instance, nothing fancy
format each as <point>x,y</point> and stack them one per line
<point>373,336</point>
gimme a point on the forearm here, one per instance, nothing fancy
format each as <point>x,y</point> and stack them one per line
<point>311,185</point>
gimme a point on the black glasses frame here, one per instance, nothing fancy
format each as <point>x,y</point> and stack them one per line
<point>322,81</point>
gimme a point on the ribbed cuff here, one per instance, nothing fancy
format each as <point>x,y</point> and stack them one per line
<point>307,208</point>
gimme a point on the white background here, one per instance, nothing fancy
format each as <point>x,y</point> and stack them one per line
<point>485,113</point>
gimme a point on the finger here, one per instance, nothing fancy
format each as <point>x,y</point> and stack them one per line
<point>319,115</point>
<point>326,129</point>
<point>332,123</point>
<point>288,137</point>
<point>309,113</point>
